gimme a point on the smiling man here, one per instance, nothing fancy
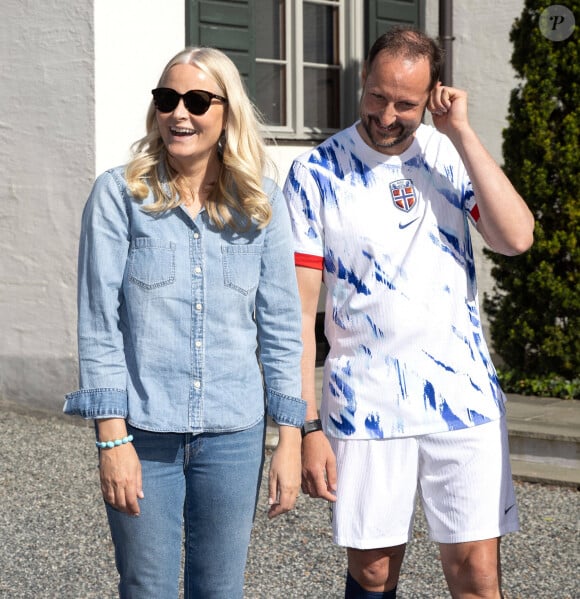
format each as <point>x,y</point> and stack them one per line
<point>410,399</point>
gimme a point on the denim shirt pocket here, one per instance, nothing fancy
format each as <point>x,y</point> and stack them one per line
<point>241,266</point>
<point>151,262</point>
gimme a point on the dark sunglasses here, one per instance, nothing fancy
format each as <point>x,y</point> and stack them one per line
<point>197,101</point>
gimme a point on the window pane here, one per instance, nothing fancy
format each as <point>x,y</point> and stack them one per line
<point>271,92</point>
<point>270,29</point>
<point>321,101</point>
<point>320,34</point>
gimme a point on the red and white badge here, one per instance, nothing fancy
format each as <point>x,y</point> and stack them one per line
<point>403,194</point>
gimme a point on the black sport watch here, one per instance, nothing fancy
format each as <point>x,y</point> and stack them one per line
<point>311,426</point>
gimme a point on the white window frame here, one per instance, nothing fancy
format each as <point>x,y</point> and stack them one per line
<point>350,53</point>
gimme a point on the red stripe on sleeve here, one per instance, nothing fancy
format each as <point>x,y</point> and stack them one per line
<point>308,261</point>
<point>475,213</point>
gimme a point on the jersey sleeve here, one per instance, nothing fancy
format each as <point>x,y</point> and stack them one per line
<point>304,205</point>
<point>470,202</point>
<point>468,195</point>
<point>308,261</point>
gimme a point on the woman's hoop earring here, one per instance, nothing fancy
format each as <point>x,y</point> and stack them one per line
<point>221,145</point>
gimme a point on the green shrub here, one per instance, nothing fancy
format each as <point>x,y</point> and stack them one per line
<point>534,310</point>
<point>546,386</point>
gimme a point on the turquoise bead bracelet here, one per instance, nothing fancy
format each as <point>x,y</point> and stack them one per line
<point>115,443</point>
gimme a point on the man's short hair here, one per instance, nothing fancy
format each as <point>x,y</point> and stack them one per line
<point>411,43</point>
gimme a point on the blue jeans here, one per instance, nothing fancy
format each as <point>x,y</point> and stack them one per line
<point>205,486</point>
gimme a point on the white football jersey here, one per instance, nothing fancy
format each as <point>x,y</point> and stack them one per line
<point>407,353</point>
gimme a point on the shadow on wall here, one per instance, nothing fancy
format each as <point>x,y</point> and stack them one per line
<point>37,384</point>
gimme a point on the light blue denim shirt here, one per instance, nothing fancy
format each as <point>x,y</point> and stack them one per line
<point>183,327</point>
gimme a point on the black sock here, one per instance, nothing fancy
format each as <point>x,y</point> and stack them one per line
<point>353,590</point>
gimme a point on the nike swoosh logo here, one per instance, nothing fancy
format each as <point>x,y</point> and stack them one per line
<point>405,225</point>
<point>509,508</point>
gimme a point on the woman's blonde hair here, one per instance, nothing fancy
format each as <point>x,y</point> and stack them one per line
<point>238,198</point>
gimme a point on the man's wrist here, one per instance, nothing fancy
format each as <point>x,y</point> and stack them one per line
<point>311,426</point>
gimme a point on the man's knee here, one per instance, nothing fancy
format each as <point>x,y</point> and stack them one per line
<point>473,568</point>
<point>376,569</point>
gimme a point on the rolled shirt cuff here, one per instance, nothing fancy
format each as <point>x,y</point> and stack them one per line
<point>97,403</point>
<point>285,409</point>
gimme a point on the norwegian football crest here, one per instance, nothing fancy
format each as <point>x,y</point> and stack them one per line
<point>403,194</point>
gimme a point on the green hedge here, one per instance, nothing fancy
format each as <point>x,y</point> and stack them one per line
<point>534,309</point>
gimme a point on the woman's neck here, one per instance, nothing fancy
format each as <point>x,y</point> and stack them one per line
<point>197,176</point>
<point>195,191</point>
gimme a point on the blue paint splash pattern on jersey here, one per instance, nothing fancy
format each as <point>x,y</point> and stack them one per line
<point>300,191</point>
<point>477,418</point>
<point>337,319</point>
<point>360,172</point>
<point>338,386</point>
<point>452,249</point>
<point>418,163</point>
<point>380,275</point>
<point>439,363</point>
<point>334,265</point>
<point>402,379</point>
<point>373,426</point>
<point>325,157</point>
<point>429,396</point>
<point>453,421</point>
<point>377,333</point>
<point>366,350</point>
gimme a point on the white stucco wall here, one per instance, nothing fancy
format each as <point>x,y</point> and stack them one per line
<point>46,161</point>
<point>75,83</point>
<point>134,40</point>
<point>481,56</point>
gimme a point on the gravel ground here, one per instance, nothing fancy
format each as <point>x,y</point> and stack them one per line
<point>54,539</point>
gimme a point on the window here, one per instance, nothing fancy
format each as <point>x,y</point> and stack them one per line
<point>299,59</point>
<point>272,70</point>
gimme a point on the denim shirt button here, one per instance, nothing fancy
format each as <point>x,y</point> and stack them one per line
<point>197,270</point>
<point>198,307</point>
<point>196,384</point>
<point>198,343</point>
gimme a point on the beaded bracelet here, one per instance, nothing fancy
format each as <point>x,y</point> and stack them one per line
<point>115,443</point>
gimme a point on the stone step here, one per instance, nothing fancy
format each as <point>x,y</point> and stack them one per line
<point>540,456</point>
<point>545,473</point>
<point>544,435</point>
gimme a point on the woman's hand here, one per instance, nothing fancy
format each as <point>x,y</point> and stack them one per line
<point>284,477</point>
<point>121,485</point>
<point>119,468</point>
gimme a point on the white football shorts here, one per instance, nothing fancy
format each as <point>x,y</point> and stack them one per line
<point>463,479</point>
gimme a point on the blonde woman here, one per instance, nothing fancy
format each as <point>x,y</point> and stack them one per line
<point>189,325</point>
